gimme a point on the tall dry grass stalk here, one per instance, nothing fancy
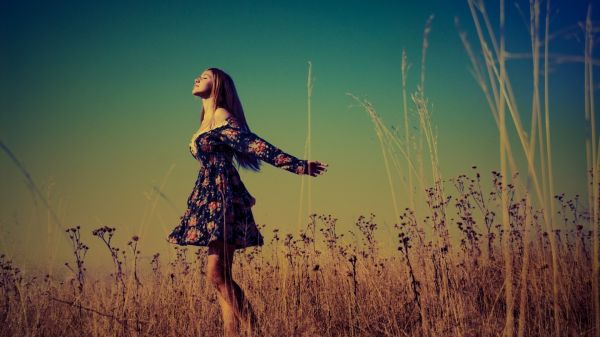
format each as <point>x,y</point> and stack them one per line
<point>307,149</point>
<point>407,134</point>
<point>593,164</point>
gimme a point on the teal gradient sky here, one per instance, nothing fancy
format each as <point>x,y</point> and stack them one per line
<point>96,102</point>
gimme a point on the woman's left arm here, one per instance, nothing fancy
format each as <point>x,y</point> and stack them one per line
<point>248,142</point>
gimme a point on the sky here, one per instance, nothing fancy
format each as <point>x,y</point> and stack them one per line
<point>96,106</point>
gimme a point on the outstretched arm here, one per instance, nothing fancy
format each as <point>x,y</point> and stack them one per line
<point>248,142</point>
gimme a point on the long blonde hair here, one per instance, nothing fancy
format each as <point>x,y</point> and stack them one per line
<point>226,97</point>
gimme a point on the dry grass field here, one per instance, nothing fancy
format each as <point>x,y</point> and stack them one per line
<point>325,283</point>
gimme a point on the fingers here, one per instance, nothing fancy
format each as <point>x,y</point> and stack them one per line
<point>317,168</point>
<point>323,166</point>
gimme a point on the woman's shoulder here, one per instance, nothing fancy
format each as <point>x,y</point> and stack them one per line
<point>221,115</point>
<point>224,117</point>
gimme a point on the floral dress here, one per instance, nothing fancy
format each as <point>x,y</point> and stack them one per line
<point>219,206</point>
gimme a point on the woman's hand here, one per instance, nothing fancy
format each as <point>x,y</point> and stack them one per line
<point>316,167</point>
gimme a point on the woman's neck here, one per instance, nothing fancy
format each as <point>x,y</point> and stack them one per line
<point>208,105</point>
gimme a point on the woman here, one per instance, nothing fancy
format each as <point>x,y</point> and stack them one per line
<point>219,213</point>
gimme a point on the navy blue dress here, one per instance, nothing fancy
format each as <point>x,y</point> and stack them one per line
<point>219,206</point>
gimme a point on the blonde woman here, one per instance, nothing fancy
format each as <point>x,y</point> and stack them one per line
<point>219,213</point>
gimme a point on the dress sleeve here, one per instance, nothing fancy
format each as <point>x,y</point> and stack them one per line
<point>249,143</point>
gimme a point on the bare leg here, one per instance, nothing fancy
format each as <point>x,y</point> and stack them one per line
<point>229,319</point>
<point>231,297</point>
<point>243,309</point>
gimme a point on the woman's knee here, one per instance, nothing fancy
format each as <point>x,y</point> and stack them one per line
<point>218,267</point>
<point>216,277</point>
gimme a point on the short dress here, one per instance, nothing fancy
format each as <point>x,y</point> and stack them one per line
<point>219,206</point>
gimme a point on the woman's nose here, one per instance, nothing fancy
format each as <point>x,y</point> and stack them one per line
<point>196,81</point>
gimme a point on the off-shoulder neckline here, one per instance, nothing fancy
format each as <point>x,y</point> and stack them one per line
<point>218,127</point>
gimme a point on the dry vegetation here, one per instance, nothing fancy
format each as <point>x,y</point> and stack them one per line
<point>321,283</point>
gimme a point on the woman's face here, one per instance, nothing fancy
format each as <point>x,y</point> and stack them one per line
<point>203,84</point>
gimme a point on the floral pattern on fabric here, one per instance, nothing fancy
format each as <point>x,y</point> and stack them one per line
<point>219,206</point>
